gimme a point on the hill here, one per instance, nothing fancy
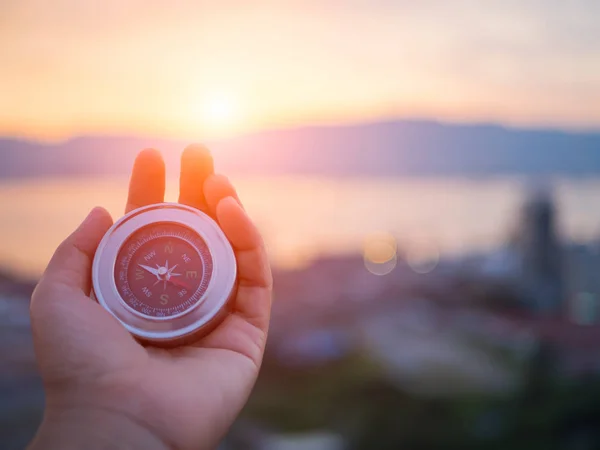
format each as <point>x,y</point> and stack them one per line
<point>409,148</point>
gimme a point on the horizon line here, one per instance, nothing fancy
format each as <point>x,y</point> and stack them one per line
<point>507,126</point>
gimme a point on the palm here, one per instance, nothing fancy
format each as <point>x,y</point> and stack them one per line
<point>185,393</point>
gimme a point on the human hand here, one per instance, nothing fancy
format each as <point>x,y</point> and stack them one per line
<point>105,390</point>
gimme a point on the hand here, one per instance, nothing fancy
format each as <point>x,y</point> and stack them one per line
<point>103,389</point>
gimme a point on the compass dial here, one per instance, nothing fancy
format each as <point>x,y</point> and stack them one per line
<point>163,270</point>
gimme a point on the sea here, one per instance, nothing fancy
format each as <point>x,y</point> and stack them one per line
<point>303,218</point>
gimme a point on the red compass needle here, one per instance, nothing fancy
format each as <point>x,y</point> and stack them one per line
<point>178,283</point>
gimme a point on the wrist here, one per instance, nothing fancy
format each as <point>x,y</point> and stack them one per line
<point>94,429</point>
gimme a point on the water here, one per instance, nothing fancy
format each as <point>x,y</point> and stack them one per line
<point>302,218</point>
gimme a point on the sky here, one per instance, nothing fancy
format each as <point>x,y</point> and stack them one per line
<point>201,69</point>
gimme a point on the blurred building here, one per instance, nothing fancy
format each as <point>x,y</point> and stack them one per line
<point>540,255</point>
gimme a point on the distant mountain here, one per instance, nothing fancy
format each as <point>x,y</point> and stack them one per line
<point>406,147</point>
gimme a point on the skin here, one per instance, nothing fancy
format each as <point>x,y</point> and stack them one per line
<point>103,389</point>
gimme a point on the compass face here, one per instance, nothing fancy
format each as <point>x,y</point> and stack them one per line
<point>167,272</point>
<point>163,270</point>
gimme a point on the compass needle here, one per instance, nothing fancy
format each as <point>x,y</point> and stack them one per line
<point>149,269</point>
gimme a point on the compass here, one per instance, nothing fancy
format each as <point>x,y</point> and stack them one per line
<point>166,272</point>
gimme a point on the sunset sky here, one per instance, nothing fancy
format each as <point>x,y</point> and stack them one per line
<point>211,68</point>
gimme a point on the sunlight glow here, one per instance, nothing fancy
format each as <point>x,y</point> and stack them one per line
<point>131,69</point>
<point>220,111</point>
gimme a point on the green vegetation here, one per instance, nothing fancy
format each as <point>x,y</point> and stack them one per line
<point>355,398</point>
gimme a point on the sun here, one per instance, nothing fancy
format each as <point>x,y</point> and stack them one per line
<point>214,113</point>
<point>220,111</point>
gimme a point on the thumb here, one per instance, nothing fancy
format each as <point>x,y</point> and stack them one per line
<point>71,264</point>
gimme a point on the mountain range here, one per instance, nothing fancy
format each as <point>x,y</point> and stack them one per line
<point>395,148</point>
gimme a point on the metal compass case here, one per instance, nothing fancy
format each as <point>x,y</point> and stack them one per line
<point>166,272</point>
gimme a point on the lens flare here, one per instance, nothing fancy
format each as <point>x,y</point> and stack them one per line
<point>380,253</point>
<point>423,256</point>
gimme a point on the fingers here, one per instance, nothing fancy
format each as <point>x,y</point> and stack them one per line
<point>71,264</point>
<point>147,185</point>
<point>196,167</point>
<point>216,188</point>
<point>253,301</point>
<point>253,264</point>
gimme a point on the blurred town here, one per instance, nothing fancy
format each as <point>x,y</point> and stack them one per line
<point>389,350</point>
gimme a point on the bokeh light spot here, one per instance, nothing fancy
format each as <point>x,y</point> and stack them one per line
<point>380,253</point>
<point>423,256</point>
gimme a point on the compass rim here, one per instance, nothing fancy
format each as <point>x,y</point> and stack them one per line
<point>218,292</point>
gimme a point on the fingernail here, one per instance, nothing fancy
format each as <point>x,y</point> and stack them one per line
<point>231,199</point>
<point>90,217</point>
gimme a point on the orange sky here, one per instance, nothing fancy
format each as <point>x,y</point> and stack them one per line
<point>200,69</point>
